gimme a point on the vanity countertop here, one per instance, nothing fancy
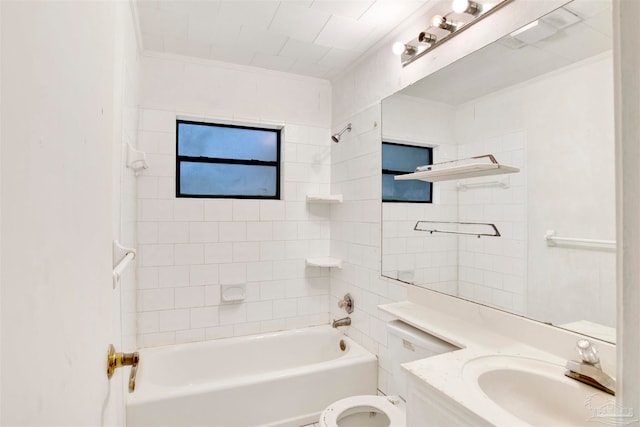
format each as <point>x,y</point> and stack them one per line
<point>483,334</point>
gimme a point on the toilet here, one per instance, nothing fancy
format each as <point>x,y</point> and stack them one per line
<point>406,344</point>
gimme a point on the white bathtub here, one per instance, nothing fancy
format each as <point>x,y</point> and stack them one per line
<point>276,379</point>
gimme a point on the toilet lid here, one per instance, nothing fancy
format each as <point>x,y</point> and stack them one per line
<point>365,403</point>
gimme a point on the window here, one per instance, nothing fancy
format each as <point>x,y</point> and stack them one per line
<point>225,161</point>
<point>398,159</point>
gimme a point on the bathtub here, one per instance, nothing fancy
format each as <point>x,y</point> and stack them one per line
<point>273,379</point>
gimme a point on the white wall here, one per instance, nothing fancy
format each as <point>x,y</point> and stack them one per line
<point>626,15</point>
<point>58,63</point>
<point>190,247</point>
<point>124,203</point>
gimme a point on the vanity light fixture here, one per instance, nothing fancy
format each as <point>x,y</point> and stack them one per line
<point>439,21</point>
<point>427,38</point>
<point>445,26</point>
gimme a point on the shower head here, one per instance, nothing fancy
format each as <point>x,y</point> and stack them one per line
<point>336,136</point>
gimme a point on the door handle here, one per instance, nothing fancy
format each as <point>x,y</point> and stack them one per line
<point>118,360</point>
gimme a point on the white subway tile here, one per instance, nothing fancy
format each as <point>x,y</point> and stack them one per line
<point>233,231</point>
<point>312,305</point>
<point>212,295</point>
<point>319,136</point>
<point>272,325</point>
<point>189,210</point>
<point>219,332</point>
<point>297,249</point>
<point>187,254</point>
<point>157,120</point>
<point>215,253</point>
<point>272,250</point>
<point>206,274</point>
<point>173,320</point>
<point>257,311</point>
<point>283,308</point>
<point>161,165</point>
<point>147,232</point>
<point>173,232</point>
<point>204,232</point>
<point>246,210</point>
<point>296,172</point>
<point>204,317</point>
<point>285,230</point>
<point>158,339</point>
<point>156,210</point>
<point>233,313</point>
<point>244,329</point>
<point>287,269</point>
<point>154,255</point>
<point>147,187</point>
<point>272,210</point>
<point>147,142</point>
<point>156,299</point>
<point>259,231</point>
<point>218,210</point>
<point>259,271</point>
<point>147,277</point>
<point>272,290</point>
<point>166,187</point>
<point>148,322</point>
<point>296,134</point>
<point>166,142</point>
<point>246,251</point>
<point>232,274</point>
<point>192,296</point>
<point>173,276</point>
<point>190,335</point>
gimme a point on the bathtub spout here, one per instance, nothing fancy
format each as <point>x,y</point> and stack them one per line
<point>345,321</point>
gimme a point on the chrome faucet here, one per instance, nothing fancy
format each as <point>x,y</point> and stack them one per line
<point>345,321</point>
<point>589,370</point>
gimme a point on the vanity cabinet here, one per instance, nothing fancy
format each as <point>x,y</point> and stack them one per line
<point>427,406</point>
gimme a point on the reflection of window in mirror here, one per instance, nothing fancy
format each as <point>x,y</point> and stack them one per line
<point>398,159</point>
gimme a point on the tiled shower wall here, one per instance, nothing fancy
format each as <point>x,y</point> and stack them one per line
<point>191,247</point>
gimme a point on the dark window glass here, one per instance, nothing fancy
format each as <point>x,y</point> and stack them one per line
<point>227,161</point>
<point>398,159</point>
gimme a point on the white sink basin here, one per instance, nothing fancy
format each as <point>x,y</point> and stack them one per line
<point>535,391</point>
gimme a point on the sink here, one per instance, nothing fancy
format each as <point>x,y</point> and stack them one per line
<point>536,391</point>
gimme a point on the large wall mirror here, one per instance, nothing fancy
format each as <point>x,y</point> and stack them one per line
<point>540,101</point>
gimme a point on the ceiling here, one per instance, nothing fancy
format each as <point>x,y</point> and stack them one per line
<point>318,38</point>
<point>570,34</point>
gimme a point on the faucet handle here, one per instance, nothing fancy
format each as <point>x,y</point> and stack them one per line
<point>346,303</point>
<point>587,351</point>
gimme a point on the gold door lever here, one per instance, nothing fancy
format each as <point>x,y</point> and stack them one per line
<point>118,360</point>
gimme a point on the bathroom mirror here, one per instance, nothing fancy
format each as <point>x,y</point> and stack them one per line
<point>539,100</point>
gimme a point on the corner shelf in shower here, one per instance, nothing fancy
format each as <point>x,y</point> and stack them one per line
<point>459,169</point>
<point>324,262</point>
<point>324,198</point>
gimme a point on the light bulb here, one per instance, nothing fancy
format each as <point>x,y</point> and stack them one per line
<point>436,21</point>
<point>398,48</point>
<point>460,6</point>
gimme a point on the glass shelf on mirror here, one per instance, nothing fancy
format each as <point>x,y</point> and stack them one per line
<point>459,169</point>
<point>324,198</point>
<point>324,262</point>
